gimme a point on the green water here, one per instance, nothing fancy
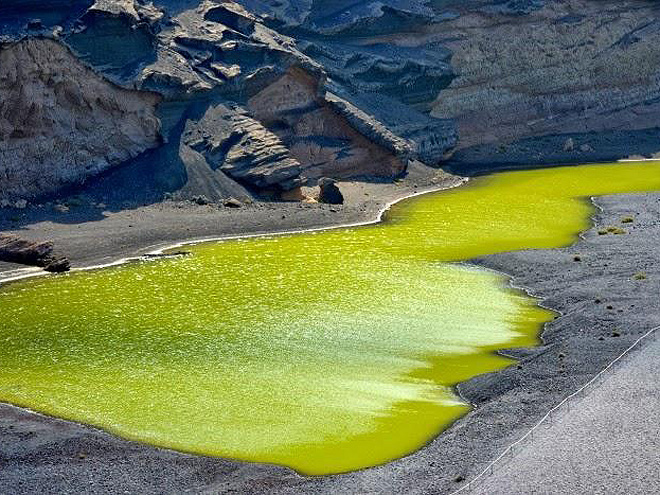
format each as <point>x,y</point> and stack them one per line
<point>326,352</point>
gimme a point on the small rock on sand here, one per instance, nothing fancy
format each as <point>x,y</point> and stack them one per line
<point>58,265</point>
<point>232,203</point>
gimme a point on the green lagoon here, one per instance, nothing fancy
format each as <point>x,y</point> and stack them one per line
<point>326,352</point>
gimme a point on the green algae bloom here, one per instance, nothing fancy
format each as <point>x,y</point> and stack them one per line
<point>326,352</point>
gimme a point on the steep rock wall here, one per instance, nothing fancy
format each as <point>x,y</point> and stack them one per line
<point>301,89</point>
<point>61,123</point>
<point>201,56</point>
<point>522,79</point>
<point>588,71</point>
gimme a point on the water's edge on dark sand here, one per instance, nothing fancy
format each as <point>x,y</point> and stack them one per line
<point>45,454</point>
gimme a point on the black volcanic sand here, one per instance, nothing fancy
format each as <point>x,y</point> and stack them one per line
<point>592,284</point>
<point>91,234</point>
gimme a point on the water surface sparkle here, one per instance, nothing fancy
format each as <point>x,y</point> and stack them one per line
<point>326,352</point>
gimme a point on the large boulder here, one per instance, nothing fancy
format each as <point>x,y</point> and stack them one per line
<point>330,193</point>
<point>14,249</point>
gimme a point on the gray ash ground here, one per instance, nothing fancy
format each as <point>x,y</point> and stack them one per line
<point>90,234</point>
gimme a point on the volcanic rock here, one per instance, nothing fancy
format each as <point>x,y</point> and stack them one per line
<point>304,89</point>
<point>330,193</point>
<point>14,249</point>
<point>58,265</point>
<point>61,123</point>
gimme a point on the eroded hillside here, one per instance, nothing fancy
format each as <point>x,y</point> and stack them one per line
<point>182,97</point>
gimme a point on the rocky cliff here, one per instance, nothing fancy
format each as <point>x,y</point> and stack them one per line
<point>142,99</point>
<point>60,122</point>
<point>562,81</point>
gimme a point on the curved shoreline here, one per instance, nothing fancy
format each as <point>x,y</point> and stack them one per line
<point>32,272</point>
<point>159,247</point>
<point>501,399</point>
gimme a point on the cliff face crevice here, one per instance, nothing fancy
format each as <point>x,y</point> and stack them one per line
<point>61,123</point>
<point>239,146</point>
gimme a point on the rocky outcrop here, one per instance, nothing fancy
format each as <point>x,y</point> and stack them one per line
<point>325,136</point>
<point>60,123</point>
<point>243,99</point>
<point>242,148</point>
<point>270,85</point>
<point>269,123</point>
<point>13,249</point>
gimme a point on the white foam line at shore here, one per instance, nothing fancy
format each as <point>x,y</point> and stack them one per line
<point>37,272</point>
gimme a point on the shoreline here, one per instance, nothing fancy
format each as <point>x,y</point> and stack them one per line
<point>573,347</point>
<point>358,214</point>
<point>545,420</point>
<point>369,215</point>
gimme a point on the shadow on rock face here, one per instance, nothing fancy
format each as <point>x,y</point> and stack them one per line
<point>555,150</point>
<point>114,44</point>
<point>15,15</point>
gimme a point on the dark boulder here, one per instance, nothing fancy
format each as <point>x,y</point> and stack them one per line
<point>58,265</point>
<point>14,249</point>
<point>330,193</point>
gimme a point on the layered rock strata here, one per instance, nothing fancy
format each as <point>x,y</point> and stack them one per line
<point>577,69</point>
<point>314,88</point>
<point>61,123</point>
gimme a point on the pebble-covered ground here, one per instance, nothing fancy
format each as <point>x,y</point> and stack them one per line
<point>607,443</point>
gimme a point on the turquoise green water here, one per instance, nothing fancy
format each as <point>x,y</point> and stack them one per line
<point>325,352</point>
